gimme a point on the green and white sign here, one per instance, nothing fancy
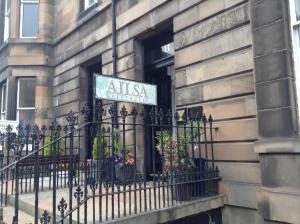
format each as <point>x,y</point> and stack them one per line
<point>117,89</point>
<point>4,124</point>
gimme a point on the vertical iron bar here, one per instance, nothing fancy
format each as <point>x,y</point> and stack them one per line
<point>172,151</point>
<point>200,170</point>
<point>65,154</point>
<point>113,114</point>
<point>161,121</point>
<point>124,113</point>
<point>13,180</point>
<point>101,166</point>
<point>17,157</point>
<point>53,154</point>
<point>185,138</point>
<point>8,131</point>
<point>144,123</point>
<point>27,129</point>
<point>1,176</point>
<point>153,122</point>
<point>36,138</point>
<point>210,120</point>
<point>134,114</point>
<point>78,194</point>
<point>205,139</point>
<point>71,118</point>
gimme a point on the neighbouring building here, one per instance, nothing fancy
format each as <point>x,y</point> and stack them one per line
<point>238,60</point>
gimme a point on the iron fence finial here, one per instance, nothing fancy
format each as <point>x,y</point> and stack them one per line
<point>62,206</point>
<point>45,219</point>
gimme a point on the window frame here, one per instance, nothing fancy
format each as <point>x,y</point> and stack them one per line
<point>6,18</point>
<point>3,112</point>
<point>85,7</point>
<point>294,25</point>
<point>18,109</point>
<point>18,94</point>
<point>295,38</point>
<point>22,2</point>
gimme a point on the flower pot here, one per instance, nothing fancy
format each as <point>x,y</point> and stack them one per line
<point>95,168</point>
<point>128,177</point>
<point>108,174</point>
<point>182,190</point>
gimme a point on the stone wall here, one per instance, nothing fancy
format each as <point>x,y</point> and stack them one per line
<point>214,69</point>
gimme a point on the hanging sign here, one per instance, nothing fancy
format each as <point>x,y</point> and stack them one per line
<point>118,89</point>
<point>4,124</point>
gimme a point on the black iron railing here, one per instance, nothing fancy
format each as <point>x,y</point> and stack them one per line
<point>123,163</point>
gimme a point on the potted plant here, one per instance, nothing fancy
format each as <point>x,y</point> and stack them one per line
<point>124,170</point>
<point>177,165</point>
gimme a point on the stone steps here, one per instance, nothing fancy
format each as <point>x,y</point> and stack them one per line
<point>8,213</point>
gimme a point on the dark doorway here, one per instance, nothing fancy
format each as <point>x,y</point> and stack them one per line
<point>159,60</point>
<point>91,68</point>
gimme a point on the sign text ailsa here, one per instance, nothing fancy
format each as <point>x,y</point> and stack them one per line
<point>117,89</point>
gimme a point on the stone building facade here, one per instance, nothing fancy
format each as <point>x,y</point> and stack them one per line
<point>229,58</point>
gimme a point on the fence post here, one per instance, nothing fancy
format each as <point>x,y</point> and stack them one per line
<point>8,145</point>
<point>71,119</point>
<point>113,115</point>
<point>36,136</point>
<point>144,121</point>
<point>86,112</point>
<point>54,128</point>
<point>1,176</point>
<point>17,150</point>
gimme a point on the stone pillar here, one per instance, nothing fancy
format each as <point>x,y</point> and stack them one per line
<point>46,19</point>
<point>43,100</point>
<point>279,144</point>
<point>15,19</point>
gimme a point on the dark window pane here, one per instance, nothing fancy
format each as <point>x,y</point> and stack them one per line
<point>27,92</point>
<point>3,102</point>
<point>30,24</point>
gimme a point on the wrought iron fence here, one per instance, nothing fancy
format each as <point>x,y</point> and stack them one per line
<point>122,163</point>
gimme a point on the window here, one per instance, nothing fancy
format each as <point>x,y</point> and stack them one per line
<point>295,22</point>
<point>89,3</point>
<point>3,101</point>
<point>26,100</point>
<point>29,24</point>
<point>6,20</point>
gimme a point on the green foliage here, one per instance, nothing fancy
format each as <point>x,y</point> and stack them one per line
<point>100,144</point>
<point>48,150</point>
<point>101,149</point>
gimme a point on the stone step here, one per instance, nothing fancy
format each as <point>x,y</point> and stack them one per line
<point>8,214</point>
